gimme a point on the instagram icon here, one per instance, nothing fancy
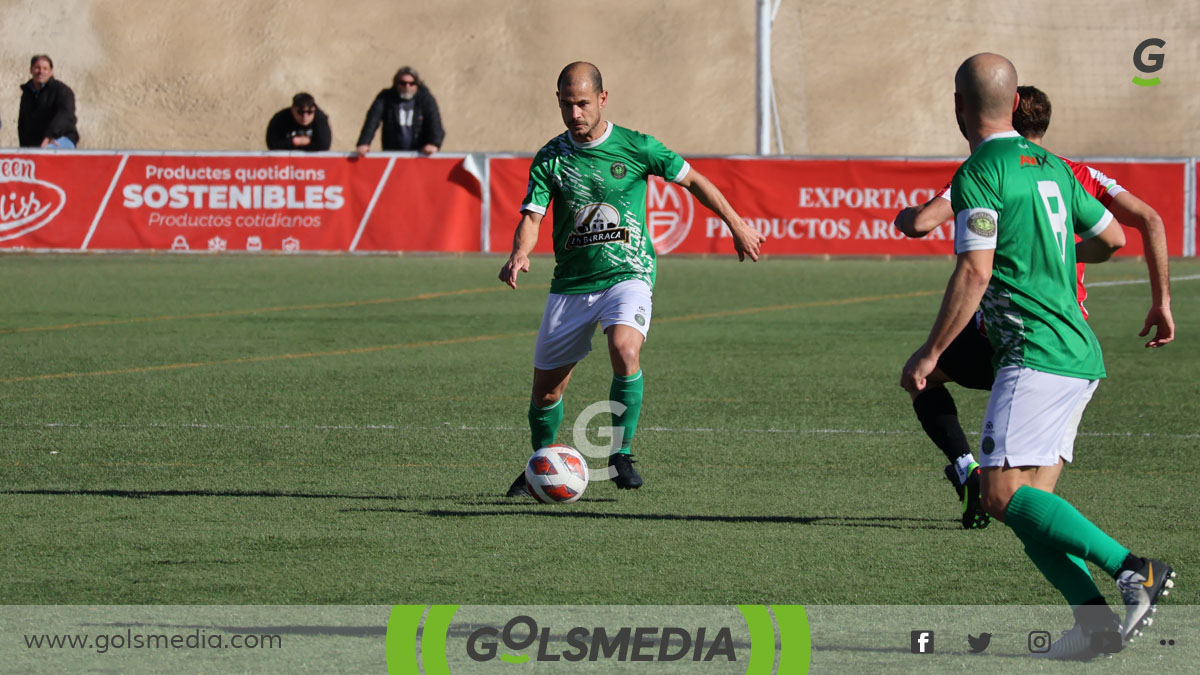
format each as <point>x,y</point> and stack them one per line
<point>1039,641</point>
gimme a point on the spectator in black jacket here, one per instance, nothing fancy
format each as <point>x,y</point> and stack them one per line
<point>303,126</point>
<point>47,118</point>
<point>409,114</point>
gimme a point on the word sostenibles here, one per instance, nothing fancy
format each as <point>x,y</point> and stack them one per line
<point>627,644</point>
<point>272,197</point>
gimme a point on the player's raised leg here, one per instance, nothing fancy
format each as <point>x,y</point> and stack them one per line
<point>545,413</point>
<point>546,404</point>
<point>564,339</point>
<point>938,416</point>
<point>967,362</point>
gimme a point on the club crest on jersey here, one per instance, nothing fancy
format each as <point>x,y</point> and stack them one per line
<point>617,170</point>
<point>597,224</point>
<point>982,224</point>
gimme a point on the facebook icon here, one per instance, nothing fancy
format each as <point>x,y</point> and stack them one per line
<point>921,642</point>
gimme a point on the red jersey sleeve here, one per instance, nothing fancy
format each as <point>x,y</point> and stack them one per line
<point>1094,181</point>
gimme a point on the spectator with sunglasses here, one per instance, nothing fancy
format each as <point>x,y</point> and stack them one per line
<point>303,126</point>
<point>409,115</point>
<point>47,118</point>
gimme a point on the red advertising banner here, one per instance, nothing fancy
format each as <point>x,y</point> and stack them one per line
<point>292,203</point>
<point>817,207</point>
<point>96,201</point>
<point>1162,185</point>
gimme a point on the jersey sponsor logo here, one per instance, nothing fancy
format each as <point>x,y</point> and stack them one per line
<point>988,445</point>
<point>26,203</point>
<point>1026,160</point>
<point>595,224</point>
<point>617,170</point>
<point>982,223</point>
<point>669,212</point>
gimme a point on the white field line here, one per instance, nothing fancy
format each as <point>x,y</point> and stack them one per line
<point>464,427</point>
<point>1126,282</point>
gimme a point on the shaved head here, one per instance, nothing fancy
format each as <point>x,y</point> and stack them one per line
<point>581,99</point>
<point>579,73</point>
<point>987,84</point>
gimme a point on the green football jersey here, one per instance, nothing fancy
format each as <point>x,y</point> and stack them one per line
<point>599,194</point>
<point>1016,198</point>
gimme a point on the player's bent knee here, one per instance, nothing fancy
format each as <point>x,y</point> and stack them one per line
<point>546,399</point>
<point>995,504</point>
<point>995,493</point>
<point>625,348</point>
<point>628,356</point>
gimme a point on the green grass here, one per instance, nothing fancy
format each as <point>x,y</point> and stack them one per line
<point>241,430</point>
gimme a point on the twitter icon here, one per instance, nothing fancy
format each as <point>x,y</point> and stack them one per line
<point>978,644</point>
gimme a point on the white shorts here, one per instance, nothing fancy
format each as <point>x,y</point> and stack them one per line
<point>569,322</point>
<point>1032,418</point>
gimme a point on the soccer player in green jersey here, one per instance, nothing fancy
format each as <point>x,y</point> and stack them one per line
<point>1017,209</point>
<point>595,174</point>
<point>968,359</point>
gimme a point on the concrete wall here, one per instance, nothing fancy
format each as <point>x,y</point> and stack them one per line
<point>853,78</point>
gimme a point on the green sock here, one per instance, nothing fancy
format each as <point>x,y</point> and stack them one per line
<point>1052,521</point>
<point>543,423</point>
<point>627,390</point>
<point>1064,571</point>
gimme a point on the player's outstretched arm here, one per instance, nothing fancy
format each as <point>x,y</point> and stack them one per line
<point>746,240</point>
<point>964,292</point>
<point>524,240</point>
<point>1131,211</point>
<point>917,221</point>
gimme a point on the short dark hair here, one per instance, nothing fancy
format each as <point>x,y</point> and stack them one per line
<point>589,70</point>
<point>406,70</point>
<point>1031,119</point>
<point>304,100</point>
<point>41,57</point>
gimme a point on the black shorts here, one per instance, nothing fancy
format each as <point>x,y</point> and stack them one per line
<point>968,360</point>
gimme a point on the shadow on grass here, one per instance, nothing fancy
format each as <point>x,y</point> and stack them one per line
<point>480,498</point>
<point>892,522</point>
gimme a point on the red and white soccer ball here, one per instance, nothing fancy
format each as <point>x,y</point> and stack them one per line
<point>556,474</point>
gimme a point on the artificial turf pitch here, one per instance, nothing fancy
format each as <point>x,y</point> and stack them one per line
<point>341,430</point>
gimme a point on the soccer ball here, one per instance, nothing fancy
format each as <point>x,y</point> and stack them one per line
<point>556,474</point>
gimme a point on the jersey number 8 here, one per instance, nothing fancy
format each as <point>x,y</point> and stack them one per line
<point>1056,210</point>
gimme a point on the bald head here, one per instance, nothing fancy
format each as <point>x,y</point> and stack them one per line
<point>578,74</point>
<point>987,85</point>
